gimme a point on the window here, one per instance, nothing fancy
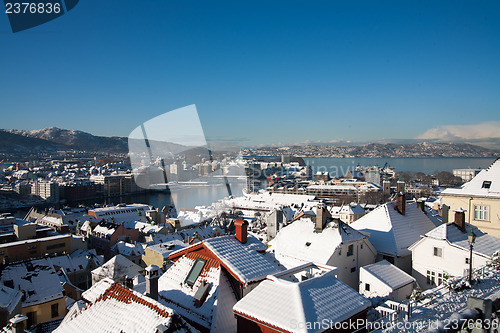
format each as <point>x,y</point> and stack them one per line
<point>308,243</point>
<point>367,286</point>
<point>361,246</point>
<point>353,269</point>
<point>440,279</point>
<point>54,310</point>
<point>481,213</point>
<point>350,250</point>
<point>195,271</point>
<point>486,184</point>
<point>431,278</point>
<point>438,252</point>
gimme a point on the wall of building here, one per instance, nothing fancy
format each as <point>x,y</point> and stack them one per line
<point>151,257</point>
<point>491,227</point>
<point>452,261</point>
<point>363,254</point>
<point>44,311</point>
<point>34,248</point>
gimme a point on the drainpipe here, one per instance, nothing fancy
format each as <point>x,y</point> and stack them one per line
<point>470,220</point>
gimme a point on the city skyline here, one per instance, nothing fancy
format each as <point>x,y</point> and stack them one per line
<point>261,73</point>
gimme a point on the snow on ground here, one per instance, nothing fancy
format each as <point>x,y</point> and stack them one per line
<point>446,302</point>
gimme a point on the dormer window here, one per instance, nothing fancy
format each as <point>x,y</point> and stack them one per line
<point>486,184</point>
<point>195,271</point>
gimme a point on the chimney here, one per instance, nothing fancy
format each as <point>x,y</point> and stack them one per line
<point>386,187</point>
<point>460,219</point>
<point>152,275</point>
<point>18,323</point>
<point>129,282</point>
<point>320,217</point>
<point>400,185</point>
<point>241,230</point>
<point>421,205</point>
<point>401,203</point>
<point>445,213</point>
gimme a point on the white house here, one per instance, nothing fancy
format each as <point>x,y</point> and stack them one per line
<point>393,227</point>
<point>445,251</point>
<point>383,279</point>
<point>335,244</point>
<point>347,213</point>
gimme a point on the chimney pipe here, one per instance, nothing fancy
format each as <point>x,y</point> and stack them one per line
<point>401,203</point>
<point>460,219</point>
<point>241,230</point>
<point>320,217</point>
<point>421,205</point>
<point>152,275</point>
<point>18,323</point>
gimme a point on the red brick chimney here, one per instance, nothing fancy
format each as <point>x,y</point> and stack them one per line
<point>241,230</point>
<point>421,205</point>
<point>460,219</point>
<point>401,203</point>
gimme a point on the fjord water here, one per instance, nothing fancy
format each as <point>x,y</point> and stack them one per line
<point>195,196</point>
<point>339,166</point>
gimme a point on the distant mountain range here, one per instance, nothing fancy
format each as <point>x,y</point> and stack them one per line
<point>422,149</point>
<point>54,139</point>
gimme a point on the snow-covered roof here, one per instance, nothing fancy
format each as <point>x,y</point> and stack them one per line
<point>351,209</point>
<point>190,217</point>
<point>168,247</point>
<point>485,184</point>
<point>9,298</point>
<point>175,293</point>
<point>122,213</point>
<point>485,244</point>
<point>106,229</point>
<point>391,233</point>
<point>144,227</point>
<point>318,299</point>
<point>298,240</point>
<point>242,259</point>
<point>77,261</point>
<point>37,278</point>
<point>116,268</point>
<point>390,275</point>
<point>119,309</point>
<point>36,240</point>
<point>128,249</point>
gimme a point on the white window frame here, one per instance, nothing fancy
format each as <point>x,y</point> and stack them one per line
<point>481,213</point>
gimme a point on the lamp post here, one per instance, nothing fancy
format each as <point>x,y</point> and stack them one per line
<point>472,239</point>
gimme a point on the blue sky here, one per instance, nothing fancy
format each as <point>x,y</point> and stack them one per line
<point>259,72</point>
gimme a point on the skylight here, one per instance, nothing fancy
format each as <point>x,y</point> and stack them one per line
<point>486,184</point>
<point>195,271</point>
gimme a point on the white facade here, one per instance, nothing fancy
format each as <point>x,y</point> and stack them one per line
<point>383,279</point>
<point>466,174</point>
<point>435,257</point>
<point>336,245</point>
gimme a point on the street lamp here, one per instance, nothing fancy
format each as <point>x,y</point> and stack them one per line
<point>472,240</point>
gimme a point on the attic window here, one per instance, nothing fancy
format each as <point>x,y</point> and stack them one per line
<point>195,271</point>
<point>308,243</point>
<point>486,184</point>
